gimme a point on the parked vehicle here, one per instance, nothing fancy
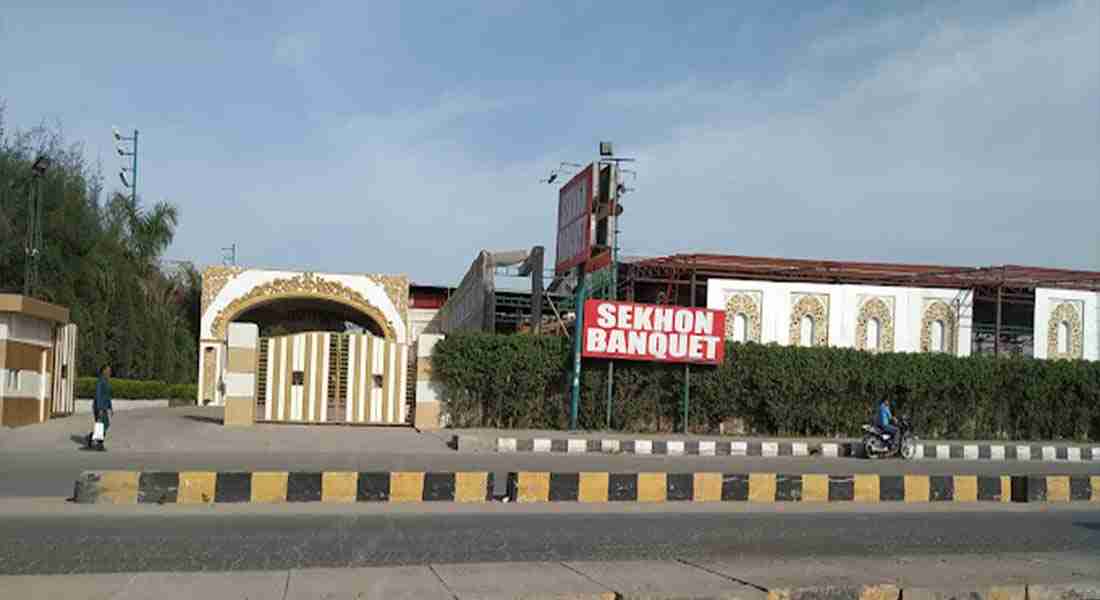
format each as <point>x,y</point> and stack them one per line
<point>879,444</point>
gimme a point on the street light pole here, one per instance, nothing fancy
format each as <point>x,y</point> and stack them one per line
<point>133,169</point>
<point>120,139</point>
<point>34,224</point>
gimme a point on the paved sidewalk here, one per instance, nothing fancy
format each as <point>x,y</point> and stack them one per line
<point>199,430</point>
<point>1012,576</point>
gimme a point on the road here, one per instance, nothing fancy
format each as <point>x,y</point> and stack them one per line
<point>32,474</point>
<point>44,460</point>
<point>72,539</point>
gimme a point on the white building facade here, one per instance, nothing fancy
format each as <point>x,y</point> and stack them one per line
<point>893,318</point>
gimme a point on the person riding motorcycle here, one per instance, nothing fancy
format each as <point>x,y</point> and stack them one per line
<point>885,420</point>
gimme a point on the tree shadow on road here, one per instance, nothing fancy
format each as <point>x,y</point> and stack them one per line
<point>1090,526</point>
<point>205,419</point>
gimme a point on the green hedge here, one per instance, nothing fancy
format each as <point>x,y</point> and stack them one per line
<point>516,381</point>
<point>132,389</point>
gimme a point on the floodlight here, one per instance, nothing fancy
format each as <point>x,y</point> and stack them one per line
<point>122,176</point>
<point>118,136</point>
<point>40,165</point>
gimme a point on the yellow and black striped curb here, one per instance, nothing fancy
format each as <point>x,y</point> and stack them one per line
<point>199,487</point>
<point>780,487</point>
<point>273,487</point>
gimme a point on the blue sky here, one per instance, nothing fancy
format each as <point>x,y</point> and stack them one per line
<point>405,136</point>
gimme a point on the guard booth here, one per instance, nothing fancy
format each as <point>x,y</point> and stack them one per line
<point>37,361</point>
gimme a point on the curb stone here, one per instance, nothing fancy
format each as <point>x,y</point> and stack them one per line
<point>865,592</point>
<point>1008,451</point>
<point>276,487</point>
<point>1089,590</point>
<point>1019,592</point>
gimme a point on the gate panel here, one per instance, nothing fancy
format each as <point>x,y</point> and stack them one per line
<point>262,382</point>
<point>320,377</point>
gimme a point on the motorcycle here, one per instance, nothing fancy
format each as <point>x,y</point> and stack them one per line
<point>878,444</point>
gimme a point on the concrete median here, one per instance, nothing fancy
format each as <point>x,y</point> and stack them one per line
<point>276,487</point>
<point>803,488</point>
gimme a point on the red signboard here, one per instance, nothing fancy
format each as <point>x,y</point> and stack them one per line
<point>629,331</point>
<point>574,242</point>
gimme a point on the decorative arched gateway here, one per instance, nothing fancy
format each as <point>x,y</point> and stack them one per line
<point>304,347</point>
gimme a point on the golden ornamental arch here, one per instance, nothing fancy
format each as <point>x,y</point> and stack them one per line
<point>746,305</point>
<point>875,308</point>
<point>815,307</point>
<point>938,311</point>
<point>1066,313</point>
<point>306,285</point>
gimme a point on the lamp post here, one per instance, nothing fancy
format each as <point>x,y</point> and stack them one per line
<point>34,224</point>
<point>120,146</point>
<point>614,192</point>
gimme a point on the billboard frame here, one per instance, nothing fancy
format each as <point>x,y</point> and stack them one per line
<point>586,177</point>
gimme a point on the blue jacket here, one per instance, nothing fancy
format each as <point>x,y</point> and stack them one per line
<point>102,395</point>
<point>885,419</point>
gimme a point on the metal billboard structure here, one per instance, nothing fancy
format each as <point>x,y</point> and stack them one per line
<point>477,305</point>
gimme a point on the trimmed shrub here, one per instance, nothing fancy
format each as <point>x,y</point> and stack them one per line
<point>515,381</point>
<point>132,389</point>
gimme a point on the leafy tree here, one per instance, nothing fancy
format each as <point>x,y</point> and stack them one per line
<point>102,258</point>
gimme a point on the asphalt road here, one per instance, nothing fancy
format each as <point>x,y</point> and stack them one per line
<point>35,474</point>
<point>111,541</point>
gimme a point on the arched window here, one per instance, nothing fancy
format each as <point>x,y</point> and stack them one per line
<point>871,343</point>
<point>807,332</point>
<point>1063,338</point>
<point>740,327</point>
<point>937,336</point>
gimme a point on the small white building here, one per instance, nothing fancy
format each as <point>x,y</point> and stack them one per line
<point>37,360</point>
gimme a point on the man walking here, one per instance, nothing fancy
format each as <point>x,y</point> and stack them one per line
<point>101,407</point>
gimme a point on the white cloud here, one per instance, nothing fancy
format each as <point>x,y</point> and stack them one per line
<point>974,146</point>
<point>965,145</point>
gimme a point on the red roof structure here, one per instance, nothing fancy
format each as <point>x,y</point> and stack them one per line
<point>678,269</point>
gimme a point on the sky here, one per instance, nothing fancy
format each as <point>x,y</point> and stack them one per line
<point>404,137</point>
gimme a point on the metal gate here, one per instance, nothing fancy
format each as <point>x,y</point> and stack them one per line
<point>321,377</point>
